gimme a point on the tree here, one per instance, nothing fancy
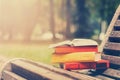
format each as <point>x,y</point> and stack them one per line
<point>68,19</point>
<point>52,23</point>
<point>18,16</point>
<point>102,12</point>
<point>90,14</point>
<point>81,20</point>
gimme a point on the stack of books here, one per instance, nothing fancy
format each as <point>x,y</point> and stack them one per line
<point>77,54</point>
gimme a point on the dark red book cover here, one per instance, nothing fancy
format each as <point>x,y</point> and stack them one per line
<point>71,66</point>
<point>101,64</point>
<point>79,65</point>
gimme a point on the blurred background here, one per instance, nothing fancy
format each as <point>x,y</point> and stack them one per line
<point>27,27</point>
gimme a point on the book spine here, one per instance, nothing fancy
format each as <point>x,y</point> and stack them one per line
<point>87,65</point>
<point>66,50</point>
<point>74,57</point>
<point>80,65</point>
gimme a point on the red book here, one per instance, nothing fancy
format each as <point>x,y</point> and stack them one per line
<point>71,66</point>
<point>87,65</point>
<point>70,49</point>
<point>101,64</point>
<point>80,65</point>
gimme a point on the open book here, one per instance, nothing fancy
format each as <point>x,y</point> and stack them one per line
<point>76,42</point>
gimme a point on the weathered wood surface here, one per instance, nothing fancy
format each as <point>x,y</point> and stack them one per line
<point>117,23</point>
<point>21,69</point>
<point>112,46</point>
<point>112,59</point>
<point>7,75</point>
<point>37,71</point>
<point>110,28</point>
<point>115,34</point>
<point>112,72</point>
<point>103,77</point>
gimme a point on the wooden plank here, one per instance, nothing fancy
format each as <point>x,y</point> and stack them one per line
<point>112,46</point>
<point>112,59</point>
<point>7,75</point>
<point>104,77</point>
<point>110,28</point>
<point>117,23</point>
<point>115,34</point>
<point>21,67</point>
<point>63,72</point>
<point>112,73</point>
<point>36,73</point>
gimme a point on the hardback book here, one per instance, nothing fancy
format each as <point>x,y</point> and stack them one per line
<point>76,45</point>
<point>70,49</point>
<point>75,42</point>
<point>101,64</point>
<point>74,57</point>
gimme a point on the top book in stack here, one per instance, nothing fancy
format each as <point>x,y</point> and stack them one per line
<point>76,45</point>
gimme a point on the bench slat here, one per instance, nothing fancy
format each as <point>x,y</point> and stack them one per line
<point>61,71</point>
<point>36,73</point>
<point>33,72</point>
<point>103,77</point>
<point>7,75</point>
<point>115,34</point>
<point>117,23</point>
<point>112,59</point>
<point>112,73</point>
<point>112,49</point>
<point>112,46</point>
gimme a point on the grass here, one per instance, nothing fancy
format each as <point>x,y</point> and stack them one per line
<point>36,52</point>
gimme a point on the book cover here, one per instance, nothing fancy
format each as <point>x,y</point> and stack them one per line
<point>70,49</point>
<point>73,57</point>
<point>101,64</point>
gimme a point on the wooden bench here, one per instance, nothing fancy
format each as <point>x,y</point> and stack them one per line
<point>21,69</point>
<point>110,49</point>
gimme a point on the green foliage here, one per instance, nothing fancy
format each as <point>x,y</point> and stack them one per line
<point>81,19</point>
<point>89,15</point>
<point>105,9</point>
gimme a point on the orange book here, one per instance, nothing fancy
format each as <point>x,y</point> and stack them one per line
<point>70,49</point>
<point>76,45</point>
